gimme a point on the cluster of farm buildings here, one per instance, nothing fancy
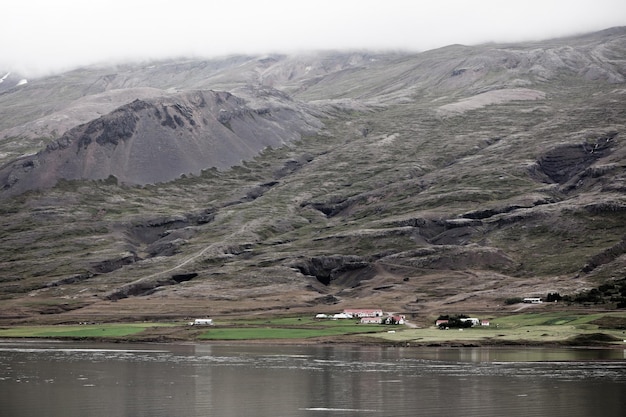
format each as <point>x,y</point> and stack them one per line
<point>377,316</point>
<point>443,323</point>
<point>367,316</point>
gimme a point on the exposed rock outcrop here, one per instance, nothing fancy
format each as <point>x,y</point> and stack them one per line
<point>564,162</point>
<point>328,268</point>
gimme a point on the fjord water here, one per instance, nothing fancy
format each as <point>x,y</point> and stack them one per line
<point>69,379</point>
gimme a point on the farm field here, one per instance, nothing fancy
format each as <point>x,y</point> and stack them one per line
<point>288,328</point>
<point>106,330</point>
<point>564,328</point>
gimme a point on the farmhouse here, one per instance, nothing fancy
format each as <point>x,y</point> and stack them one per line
<point>366,316</point>
<point>474,321</point>
<point>444,323</point>
<point>532,300</point>
<point>394,320</point>
<point>371,320</point>
<point>361,312</point>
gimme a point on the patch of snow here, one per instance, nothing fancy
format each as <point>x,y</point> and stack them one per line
<point>22,82</point>
<point>3,78</point>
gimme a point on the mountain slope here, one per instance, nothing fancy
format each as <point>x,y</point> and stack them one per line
<point>442,182</point>
<point>158,140</point>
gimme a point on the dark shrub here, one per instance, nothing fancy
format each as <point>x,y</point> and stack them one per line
<point>553,296</point>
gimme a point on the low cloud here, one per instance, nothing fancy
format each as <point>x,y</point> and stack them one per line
<point>41,36</point>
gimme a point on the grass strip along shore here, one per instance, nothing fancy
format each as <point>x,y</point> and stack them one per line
<point>558,328</point>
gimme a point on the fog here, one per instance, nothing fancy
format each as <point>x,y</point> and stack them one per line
<point>42,36</point>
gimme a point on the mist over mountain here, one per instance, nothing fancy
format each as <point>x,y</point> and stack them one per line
<point>451,179</point>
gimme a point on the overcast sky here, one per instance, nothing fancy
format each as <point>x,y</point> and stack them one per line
<point>38,36</point>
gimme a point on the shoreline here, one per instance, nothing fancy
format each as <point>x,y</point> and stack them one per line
<point>362,341</point>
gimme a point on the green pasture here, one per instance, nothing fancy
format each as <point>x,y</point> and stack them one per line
<point>550,327</point>
<point>76,330</point>
<point>305,321</point>
<point>288,328</point>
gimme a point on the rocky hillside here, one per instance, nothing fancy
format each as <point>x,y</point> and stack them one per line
<point>159,139</point>
<point>442,182</point>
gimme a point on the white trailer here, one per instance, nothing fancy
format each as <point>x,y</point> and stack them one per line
<point>202,322</point>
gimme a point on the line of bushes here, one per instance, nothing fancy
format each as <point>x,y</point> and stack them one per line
<point>608,293</point>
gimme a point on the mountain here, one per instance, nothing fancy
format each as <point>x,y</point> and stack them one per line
<point>448,181</point>
<point>160,139</point>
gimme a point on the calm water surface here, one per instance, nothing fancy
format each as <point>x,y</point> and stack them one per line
<point>71,380</point>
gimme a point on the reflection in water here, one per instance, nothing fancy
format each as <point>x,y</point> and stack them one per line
<point>61,379</point>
